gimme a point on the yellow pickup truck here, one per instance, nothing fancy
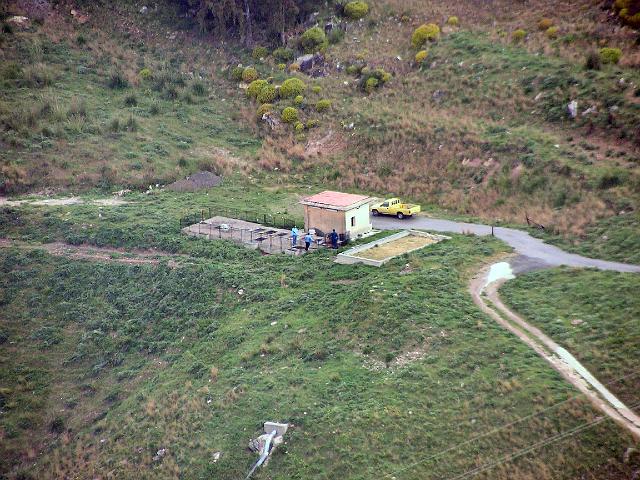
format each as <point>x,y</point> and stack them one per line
<point>393,206</point>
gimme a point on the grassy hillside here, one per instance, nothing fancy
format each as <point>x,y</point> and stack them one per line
<point>126,360</point>
<point>383,373</point>
<point>593,314</point>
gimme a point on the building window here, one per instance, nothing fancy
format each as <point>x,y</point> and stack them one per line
<point>353,221</point>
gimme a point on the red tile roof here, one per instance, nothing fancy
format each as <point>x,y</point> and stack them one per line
<point>335,199</point>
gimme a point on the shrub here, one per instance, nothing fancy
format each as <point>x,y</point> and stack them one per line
<point>199,89</point>
<point>545,24</point>
<point>39,75</point>
<point>610,55</point>
<point>313,123</point>
<point>421,56</point>
<point>518,35</point>
<point>316,89</point>
<point>294,67</point>
<point>372,79</point>
<point>323,105</point>
<point>298,100</point>
<point>425,33</point>
<point>628,12</point>
<point>117,80</point>
<point>335,36</point>
<point>249,74</point>
<point>371,84</point>
<point>255,88</point>
<point>299,126</point>
<point>313,40</point>
<point>283,54</point>
<point>145,74</point>
<point>259,52</point>
<point>292,87</point>
<point>552,32</point>
<point>171,93</point>
<point>130,101</point>
<point>282,66</point>
<point>453,21</point>
<point>267,95</point>
<point>155,108</point>
<point>236,73</point>
<point>356,10</point>
<point>592,62</point>
<point>264,108</point>
<point>290,115</point>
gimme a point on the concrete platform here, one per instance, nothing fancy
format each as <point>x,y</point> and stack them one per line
<point>251,235</point>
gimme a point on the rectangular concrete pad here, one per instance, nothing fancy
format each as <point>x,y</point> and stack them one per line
<point>281,428</point>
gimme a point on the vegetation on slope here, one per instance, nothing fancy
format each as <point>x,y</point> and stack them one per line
<point>129,360</point>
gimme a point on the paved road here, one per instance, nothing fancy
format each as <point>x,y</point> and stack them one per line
<point>538,254</point>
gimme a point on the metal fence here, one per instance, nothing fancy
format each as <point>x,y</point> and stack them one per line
<point>266,219</point>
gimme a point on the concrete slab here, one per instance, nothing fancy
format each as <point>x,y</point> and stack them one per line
<point>281,428</point>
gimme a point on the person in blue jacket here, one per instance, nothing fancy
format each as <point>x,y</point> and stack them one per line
<point>333,236</point>
<point>294,236</point>
<point>307,241</point>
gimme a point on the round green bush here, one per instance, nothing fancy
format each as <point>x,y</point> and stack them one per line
<point>290,115</point>
<point>299,126</point>
<point>298,100</point>
<point>264,108</point>
<point>323,105</point>
<point>292,87</point>
<point>312,123</point>
<point>421,56</point>
<point>283,54</point>
<point>371,84</point>
<point>145,74</point>
<point>259,52</point>
<point>425,33</point>
<point>267,94</point>
<point>552,32</point>
<point>518,35</point>
<point>255,88</point>
<point>610,55</point>
<point>313,40</point>
<point>236,72</point>
<point>356,10</point>
<point>249,74</point>
<point>453,21</point>
<point>316,89</point>
<point>282,66</point>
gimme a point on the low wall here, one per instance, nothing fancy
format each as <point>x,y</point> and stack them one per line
<point>350,256</point>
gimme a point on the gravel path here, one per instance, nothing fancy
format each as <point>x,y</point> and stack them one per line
<point>539,253</point>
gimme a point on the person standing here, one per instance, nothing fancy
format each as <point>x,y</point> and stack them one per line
<point>307,241</point>
<point>294,236</point>
<point>333,236</point>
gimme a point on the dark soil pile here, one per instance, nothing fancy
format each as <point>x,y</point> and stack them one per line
<point>197,181</point>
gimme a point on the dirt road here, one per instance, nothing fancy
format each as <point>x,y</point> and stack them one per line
<point>484,291</point>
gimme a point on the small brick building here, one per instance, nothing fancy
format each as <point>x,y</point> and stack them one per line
<point>347,213</point>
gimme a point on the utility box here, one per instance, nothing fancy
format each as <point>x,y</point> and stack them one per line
<point>347,213</point>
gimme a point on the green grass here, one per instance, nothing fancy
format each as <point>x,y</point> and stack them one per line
<point>81,132</point>
<point>122,356</point>
<point>608,307</point>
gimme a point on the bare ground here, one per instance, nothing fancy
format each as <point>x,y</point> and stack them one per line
<point>105,254</point>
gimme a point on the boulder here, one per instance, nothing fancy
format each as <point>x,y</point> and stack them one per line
<point>572,109</point>
<point>305,62</point>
